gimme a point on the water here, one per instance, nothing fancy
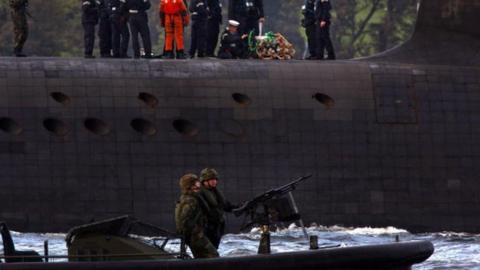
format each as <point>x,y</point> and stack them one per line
<point>452,250</point>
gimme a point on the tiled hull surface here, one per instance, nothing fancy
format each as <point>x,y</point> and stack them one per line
<point>388,142</point>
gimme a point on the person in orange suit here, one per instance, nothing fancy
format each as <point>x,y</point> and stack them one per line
<point>174,17</point>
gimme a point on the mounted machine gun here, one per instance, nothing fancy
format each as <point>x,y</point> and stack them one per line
<point>274,206</point>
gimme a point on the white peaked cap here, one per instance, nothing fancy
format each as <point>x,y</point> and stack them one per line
<point>233,23</point>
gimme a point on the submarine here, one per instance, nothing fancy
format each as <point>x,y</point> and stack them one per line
<point>391,140</point>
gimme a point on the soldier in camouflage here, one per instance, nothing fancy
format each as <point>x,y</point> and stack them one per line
<point>190,218</point>
<point>217,206</point>
<point>20,26</point>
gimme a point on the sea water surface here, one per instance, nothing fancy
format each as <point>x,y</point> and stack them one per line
<point>452,250</point>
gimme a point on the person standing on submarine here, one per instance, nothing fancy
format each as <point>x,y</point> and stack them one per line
<point>213,25</point>
<point>138,20</point>
<point>323,16</point>
<point>19,14</point>
<point>90,16</point>
<point>174,18</point>
<point>118,14</point>
<point>104,30</point>
<point>310,25</point>
<point>199,13</point>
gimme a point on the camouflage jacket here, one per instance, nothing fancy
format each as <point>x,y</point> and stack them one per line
<point>189,216</point>
<point>217,205</point>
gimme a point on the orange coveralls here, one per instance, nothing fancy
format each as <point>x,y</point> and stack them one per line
<point>174,17</point>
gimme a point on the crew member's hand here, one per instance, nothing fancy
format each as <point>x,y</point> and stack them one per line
<point>244,36</point>
<point>322,24</point>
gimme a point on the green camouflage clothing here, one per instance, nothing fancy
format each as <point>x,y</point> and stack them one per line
<point>217,206</point>
<point>20,25</point>
<point>190,222</point>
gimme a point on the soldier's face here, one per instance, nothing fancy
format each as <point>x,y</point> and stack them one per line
<point>212,183</point>
<point>196,187</point>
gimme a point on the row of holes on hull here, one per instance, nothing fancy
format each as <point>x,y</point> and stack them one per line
<point>99,127</point>
<point>143,126</point>
<point>152,102</point>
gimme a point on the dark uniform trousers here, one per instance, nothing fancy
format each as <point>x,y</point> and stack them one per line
<point>199,12</point>
<point>198,38</point>
<point>324,42</point>
<point>89,20</point>
<point>322,14</point>
<point>213,30</point>
<point>120,36</point>
<point>105,35</point>
<point>311,32</point>
<point>213,25</point>
<point>118,15</point>
<point>138,20</point>
<point>89,37</point>
<point>139,25</point>
<point>309,23</point>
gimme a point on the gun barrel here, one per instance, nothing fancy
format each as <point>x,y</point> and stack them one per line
<point>269,195</point>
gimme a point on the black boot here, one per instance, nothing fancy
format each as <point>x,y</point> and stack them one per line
<point>168,55</point>
<point>181,55</point>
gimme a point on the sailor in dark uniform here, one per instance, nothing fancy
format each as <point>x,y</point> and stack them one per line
<point>199,15</point>
<point>249,13</point>
<point>104,30</point>
<point>322,13</point>
<point>138,21</point>
<point>232,44</point>
<point>89,20</point>
<point>213,25</point>
<point>120,34</point>
<point>309,23</point>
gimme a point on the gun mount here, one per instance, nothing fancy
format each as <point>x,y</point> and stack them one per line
<point>275,205</point>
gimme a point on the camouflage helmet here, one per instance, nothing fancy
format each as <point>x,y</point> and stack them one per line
<point>207,174</point>
<point>187,182</point>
